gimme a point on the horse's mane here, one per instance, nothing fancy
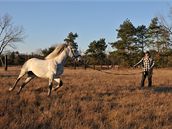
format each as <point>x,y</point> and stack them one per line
<point>56,51</point>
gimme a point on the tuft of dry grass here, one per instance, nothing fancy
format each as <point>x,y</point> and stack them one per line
<point>89,99</point>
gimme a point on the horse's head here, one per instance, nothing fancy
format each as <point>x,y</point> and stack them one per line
<point>73,51</point>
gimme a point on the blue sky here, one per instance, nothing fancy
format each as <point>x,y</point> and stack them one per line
<point>48,22</point>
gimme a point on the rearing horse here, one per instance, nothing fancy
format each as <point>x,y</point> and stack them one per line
<point>51,67</point>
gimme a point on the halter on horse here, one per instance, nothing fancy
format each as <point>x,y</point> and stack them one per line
<point>51,67</point>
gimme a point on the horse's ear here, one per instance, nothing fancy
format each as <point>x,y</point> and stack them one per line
<point>69,43</point>
<point>66,44</point>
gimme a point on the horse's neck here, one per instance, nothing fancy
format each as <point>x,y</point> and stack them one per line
<point>60,59</point>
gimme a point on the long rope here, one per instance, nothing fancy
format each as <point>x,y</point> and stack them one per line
<point>112,72</point>
<point>120,74</point>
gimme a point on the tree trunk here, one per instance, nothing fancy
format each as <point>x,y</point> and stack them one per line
<point>1,61</point>
<point>6,63</point>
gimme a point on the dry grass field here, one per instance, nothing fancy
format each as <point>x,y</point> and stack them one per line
<point>89,99</point>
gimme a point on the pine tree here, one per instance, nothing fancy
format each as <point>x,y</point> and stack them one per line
<point>96,51</point>
<point>141,34</point>
<point>165,40</point>
<point>126,45</point>
<point>71,39</point>
<point>159,41</point>
<point>154,35</point>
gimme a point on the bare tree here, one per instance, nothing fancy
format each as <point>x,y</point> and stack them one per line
<point>9,33</point>
<point>166,22</point>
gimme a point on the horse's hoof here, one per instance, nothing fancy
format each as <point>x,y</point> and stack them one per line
<point>53,89</point>
<point>10,89</point>
<point>48,94</point>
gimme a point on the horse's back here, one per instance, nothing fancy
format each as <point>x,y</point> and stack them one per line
<point>37,66</point>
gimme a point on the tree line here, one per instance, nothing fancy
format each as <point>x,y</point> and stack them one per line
<point>133,41</point>
<point>129,45</point>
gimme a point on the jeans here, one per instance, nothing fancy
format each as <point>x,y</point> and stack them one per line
<point>144,75</point>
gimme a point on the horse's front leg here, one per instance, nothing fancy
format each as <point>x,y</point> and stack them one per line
<point>50,86</point>
<point>59,83</point>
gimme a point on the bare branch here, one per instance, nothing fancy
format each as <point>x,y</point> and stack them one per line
<point>4,23</point>
<point>163,22</point>
<point>9,34</point>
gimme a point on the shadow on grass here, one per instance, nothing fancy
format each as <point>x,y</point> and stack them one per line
<point>163,89</point>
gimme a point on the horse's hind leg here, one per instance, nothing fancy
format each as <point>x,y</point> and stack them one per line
<point>28,79</point>
<point>22,73</point>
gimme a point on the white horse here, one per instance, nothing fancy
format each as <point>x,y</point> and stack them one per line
<point>51,67</point>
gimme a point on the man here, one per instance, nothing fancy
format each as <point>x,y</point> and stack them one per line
<point>148,64</point>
